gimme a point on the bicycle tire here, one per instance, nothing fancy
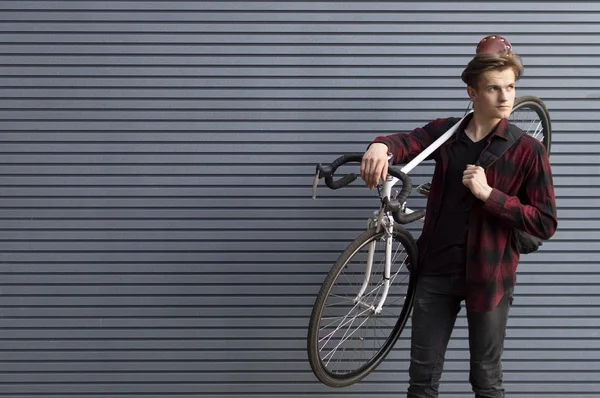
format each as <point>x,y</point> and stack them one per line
<point>319,317</point>
<point>536,105</point>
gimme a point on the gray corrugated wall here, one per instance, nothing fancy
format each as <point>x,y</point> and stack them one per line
<point>157,232</point>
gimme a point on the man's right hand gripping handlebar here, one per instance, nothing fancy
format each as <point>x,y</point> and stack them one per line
<point>374,165</point>
<point>327,172</point>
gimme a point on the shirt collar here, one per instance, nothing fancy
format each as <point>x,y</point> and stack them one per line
<point>501,129</point>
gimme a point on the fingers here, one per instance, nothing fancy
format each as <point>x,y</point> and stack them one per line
<point>474,176</point>
<point>384,172</point>
<point>363,168</point>
<point>470,174</point>
<point>469,181</point>
<point>372,169</point>
<point>369,173</point>
<point>473,170</point>
<point>378,170</point>
<point>368,168</point>
<point>374,164</point>
<point>474,167</point>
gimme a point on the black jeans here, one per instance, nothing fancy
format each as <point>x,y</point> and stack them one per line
<point>437,303</point>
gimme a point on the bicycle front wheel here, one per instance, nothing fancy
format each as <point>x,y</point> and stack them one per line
<point>531,115</point>
<point>347,339</point>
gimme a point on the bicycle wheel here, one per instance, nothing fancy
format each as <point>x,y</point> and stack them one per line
<point>346,338</point>
<point>531,115</point>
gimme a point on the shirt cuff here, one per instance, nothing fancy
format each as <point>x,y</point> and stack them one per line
<point>495,203</point>
<point>381,140</point>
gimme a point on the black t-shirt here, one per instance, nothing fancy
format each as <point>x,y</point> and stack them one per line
<point>446,249</point>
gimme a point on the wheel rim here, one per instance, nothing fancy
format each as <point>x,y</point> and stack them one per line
<point>350,334</point>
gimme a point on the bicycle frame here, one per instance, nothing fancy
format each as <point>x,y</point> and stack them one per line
<point>389,220</point>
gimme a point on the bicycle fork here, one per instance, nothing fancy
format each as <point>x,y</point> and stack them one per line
<point>389,227</point>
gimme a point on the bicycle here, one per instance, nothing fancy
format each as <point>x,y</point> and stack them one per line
<point>366,298</point>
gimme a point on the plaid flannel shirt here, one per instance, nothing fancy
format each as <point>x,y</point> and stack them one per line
<point>522,198</point>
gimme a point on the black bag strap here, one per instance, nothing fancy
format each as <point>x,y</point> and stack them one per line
<point>524,242</point>
<point>499,146</point>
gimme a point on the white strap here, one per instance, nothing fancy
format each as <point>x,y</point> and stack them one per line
<point>435,145</point>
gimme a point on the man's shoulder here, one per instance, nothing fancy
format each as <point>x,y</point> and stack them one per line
<point>526,140</point>
<point>526,144</point>
<point>441,125</point>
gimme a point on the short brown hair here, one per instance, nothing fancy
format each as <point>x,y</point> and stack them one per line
<point>486,62</point>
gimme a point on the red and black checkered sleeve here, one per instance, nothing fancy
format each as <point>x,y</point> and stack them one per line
<point>405,146</point>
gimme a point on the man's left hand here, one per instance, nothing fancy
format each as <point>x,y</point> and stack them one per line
<point>474,179</point>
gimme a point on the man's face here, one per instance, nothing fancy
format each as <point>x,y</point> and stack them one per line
<point>494,96</point>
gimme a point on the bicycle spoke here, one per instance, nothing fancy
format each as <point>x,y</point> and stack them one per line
<point>343,318</point>
<point>346,277</point>
<point>348,300</point>
<point>385,323</point>
<point>395,301</point>
<point>383,335</point>
<point>342,324</point>
<point>344,338</point>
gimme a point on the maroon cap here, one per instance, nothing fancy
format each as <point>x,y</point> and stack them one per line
<point>493,44</point>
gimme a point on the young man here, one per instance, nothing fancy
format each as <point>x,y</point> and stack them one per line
<point>465,251</point>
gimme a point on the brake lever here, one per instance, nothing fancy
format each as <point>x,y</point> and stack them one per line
<point>315,183</point>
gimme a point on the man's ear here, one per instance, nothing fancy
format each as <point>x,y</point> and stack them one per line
<point>472,94</point>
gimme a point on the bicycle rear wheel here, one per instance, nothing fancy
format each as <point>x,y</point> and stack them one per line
<point>346,338</point>
<point>531,115</point>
